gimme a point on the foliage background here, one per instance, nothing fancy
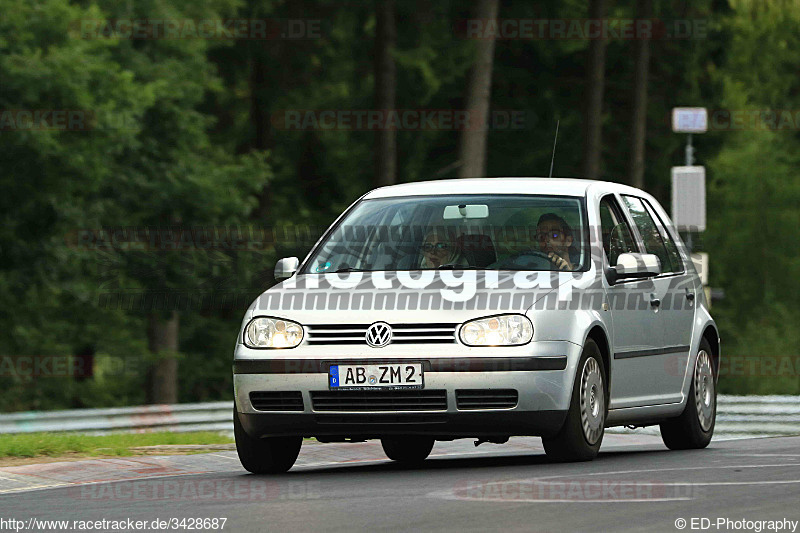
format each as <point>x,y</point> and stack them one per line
<point>184,138</point>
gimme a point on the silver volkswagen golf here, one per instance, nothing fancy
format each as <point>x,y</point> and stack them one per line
<point>480,308</point>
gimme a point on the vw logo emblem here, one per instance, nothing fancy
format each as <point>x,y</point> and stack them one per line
<point>379,334</point>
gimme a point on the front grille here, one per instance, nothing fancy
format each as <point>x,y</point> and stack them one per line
<point>401,333</point>
<point>486,398</point>
<point>382,419</point>
<point>380,400</point>
<point>276,400</point>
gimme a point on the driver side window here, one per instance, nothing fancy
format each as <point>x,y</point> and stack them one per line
<point>617,236</point>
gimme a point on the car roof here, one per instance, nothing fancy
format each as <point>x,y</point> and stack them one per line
<point>552,186</point>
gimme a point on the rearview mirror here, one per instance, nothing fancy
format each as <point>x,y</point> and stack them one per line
<point>465,211</point>
<point>634,266</point>
<point>286,267</point>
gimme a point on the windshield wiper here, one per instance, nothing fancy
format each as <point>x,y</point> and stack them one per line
<point>349,269</point>
<point>458,267</point>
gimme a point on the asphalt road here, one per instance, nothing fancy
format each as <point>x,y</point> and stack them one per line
<point>638,485</point>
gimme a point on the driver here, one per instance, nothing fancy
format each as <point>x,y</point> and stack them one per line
<point>554,237</point>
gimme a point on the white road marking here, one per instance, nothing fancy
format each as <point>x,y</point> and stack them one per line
<point>532,500</point>
<point>486,454</point>
<point>450,495</point>
<point>767,454</point>
<point>225,456</point>
<point>33,487</point>
<point>479,453</point>
<point>19,479</point>
<point>669,470</point>
<point>715,483</point>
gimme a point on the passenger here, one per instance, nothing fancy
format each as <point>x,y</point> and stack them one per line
<point>438,250</point>
<point>555,239</point>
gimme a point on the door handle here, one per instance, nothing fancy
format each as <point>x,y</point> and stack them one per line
<point>655,302</point>
<point>689,295</point>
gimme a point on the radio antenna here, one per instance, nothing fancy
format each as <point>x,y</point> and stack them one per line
<point>554,150</point>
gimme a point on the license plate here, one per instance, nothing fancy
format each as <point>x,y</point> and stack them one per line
<point>380,376</point>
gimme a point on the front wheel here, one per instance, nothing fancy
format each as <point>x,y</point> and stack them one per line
<point>694,428</point>
<point>269,455</point>
<point>580,437</point>
<point>407,449</point>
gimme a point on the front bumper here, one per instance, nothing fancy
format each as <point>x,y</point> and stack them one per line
<point>443,426</point>
<point>543,381</point>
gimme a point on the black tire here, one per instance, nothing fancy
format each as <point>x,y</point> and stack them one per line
<point>269,455</point>
<point>572,443</point>
<point>407,450</point>
<point>694,428</point>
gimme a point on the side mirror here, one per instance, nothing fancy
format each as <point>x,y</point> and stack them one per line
<point>286,267</point>
<point>634,266</point>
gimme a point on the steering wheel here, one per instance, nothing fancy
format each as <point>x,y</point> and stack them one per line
<point>512,259</point>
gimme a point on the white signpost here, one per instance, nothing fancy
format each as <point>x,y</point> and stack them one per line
<point>689,181</point>
<point>689,198</point>
<point>689,119</point>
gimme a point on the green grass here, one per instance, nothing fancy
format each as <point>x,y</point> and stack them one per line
<point>57,444</point>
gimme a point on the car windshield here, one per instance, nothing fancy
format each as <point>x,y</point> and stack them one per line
<point>487,232</point>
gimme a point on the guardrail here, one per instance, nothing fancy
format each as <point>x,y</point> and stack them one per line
<point>750,416</point>
<point>213,416</point>
<point>737,415</point>
<point>772,415</point>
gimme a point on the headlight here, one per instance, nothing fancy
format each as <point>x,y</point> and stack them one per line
<point>263,332</point>
<point>503,330</point>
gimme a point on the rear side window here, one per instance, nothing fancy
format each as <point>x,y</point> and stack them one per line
<point>672,248</point>
<point>617,237</point>
<point>655,242</point>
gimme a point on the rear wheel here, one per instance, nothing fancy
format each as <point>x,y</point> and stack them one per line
<point>407,449</point>
<point>270,455</point>
<point>580,437</point>
<point>695,426</point>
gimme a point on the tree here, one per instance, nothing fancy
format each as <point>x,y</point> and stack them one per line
<point>639,121</point>
<point>198,120</point>
<point>385,89</point>
<point>753,193</point>
<point>144,159</point>
<point>595,84</point>
<point>162,375</point>
<point>472,151</point>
